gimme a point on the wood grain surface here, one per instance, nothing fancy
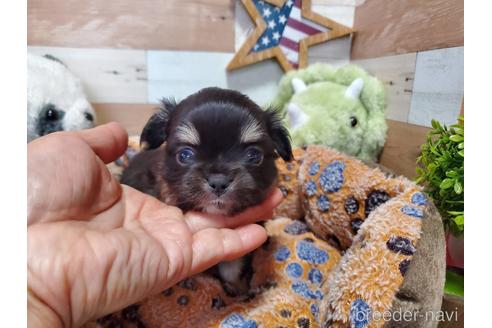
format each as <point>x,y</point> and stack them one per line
<point>395,27</point>
<point>455,307</point>
<point>403,147</point>
<point>397,73</point>
<point>108,75</point>
<point>131,116</point>
<point>438,87</point>
<point>180,73</point>
<point>155,24</point>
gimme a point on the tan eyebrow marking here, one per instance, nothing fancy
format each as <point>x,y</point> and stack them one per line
<point>187,133</point>
<point>251,131</point>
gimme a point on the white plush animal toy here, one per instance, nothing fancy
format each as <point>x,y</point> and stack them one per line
<point>55,98</point>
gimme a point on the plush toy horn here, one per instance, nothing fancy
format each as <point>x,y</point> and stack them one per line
<point>298,85</point>
<point>296,116</point>
<point>355,88</point>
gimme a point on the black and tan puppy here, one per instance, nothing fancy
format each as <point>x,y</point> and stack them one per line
<point>213,152</point>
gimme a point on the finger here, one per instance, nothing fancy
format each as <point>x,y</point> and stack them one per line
<point>211,246</point>
<point>108,141</point>
<point>66,179</point>
<point>199,221</point>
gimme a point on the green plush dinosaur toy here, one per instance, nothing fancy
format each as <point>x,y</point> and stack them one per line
<point>341,108</point>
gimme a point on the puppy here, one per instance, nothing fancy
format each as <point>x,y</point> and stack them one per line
<point>213,152</point>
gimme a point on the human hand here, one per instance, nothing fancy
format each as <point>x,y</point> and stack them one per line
<point>95,246</point>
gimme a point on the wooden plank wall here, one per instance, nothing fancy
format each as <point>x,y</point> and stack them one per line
<point>156,24</point>
<point>129,54</point>
<point>404,26</point>
<point>416,48</point>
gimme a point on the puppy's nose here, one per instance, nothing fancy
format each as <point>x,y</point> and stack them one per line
<point>219,183</point>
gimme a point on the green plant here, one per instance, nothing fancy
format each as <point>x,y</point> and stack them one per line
<point>441,172</point>
<point>455,284</point>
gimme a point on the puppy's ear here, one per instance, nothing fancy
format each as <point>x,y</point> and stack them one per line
<point>279,134</point>
<point>155,131</point>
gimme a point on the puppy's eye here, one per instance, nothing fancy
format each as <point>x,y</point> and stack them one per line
<point>51,114</point>
<point>254,156</point>
<point>185,156</point>
<point>353,121</point>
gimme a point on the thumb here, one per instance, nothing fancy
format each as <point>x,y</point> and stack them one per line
<point>108,141</point>
<point>67,177</point>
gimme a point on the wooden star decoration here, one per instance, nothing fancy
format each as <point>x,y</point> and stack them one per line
<point>284,30</point>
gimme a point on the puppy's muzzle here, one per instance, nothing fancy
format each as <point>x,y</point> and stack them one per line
<point>219,183</point>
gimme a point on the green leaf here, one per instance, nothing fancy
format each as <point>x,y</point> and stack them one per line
<point>433,150</point>
<point>451,174</point>
<point>456,213</point>
<point>459,220</point>
<point>435,124</point>
<point>456,138</point>
<point>446,184</point>
<point>431,166</point>
<point>455,284</point>
<point>441,172</point>
<point>454,202</point>
<point>458,188</point>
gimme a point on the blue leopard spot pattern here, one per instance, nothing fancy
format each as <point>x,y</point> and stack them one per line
<point>400,245</point>
<point>331,179</point>
<point>419,199</point>
<point>309,252</point>
<point>235,320</point>
<point>301,288</point>
<point>314,310</point>
<point>282,254</point>
<point>294,270</point>
<point>323,203</point>
<point>315,276</point>
<point>403,266</point>
<point>314,168</point>
<point>360,313</point>
<point>413,211</point>
<point>296,228</point>
<point>311,188</point>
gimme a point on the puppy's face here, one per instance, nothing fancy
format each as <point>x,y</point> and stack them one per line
<point>220,150</point>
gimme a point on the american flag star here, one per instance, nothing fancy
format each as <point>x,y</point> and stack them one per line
<point>266,12</point>
<point>284,30</point>
<point>292,29</point>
